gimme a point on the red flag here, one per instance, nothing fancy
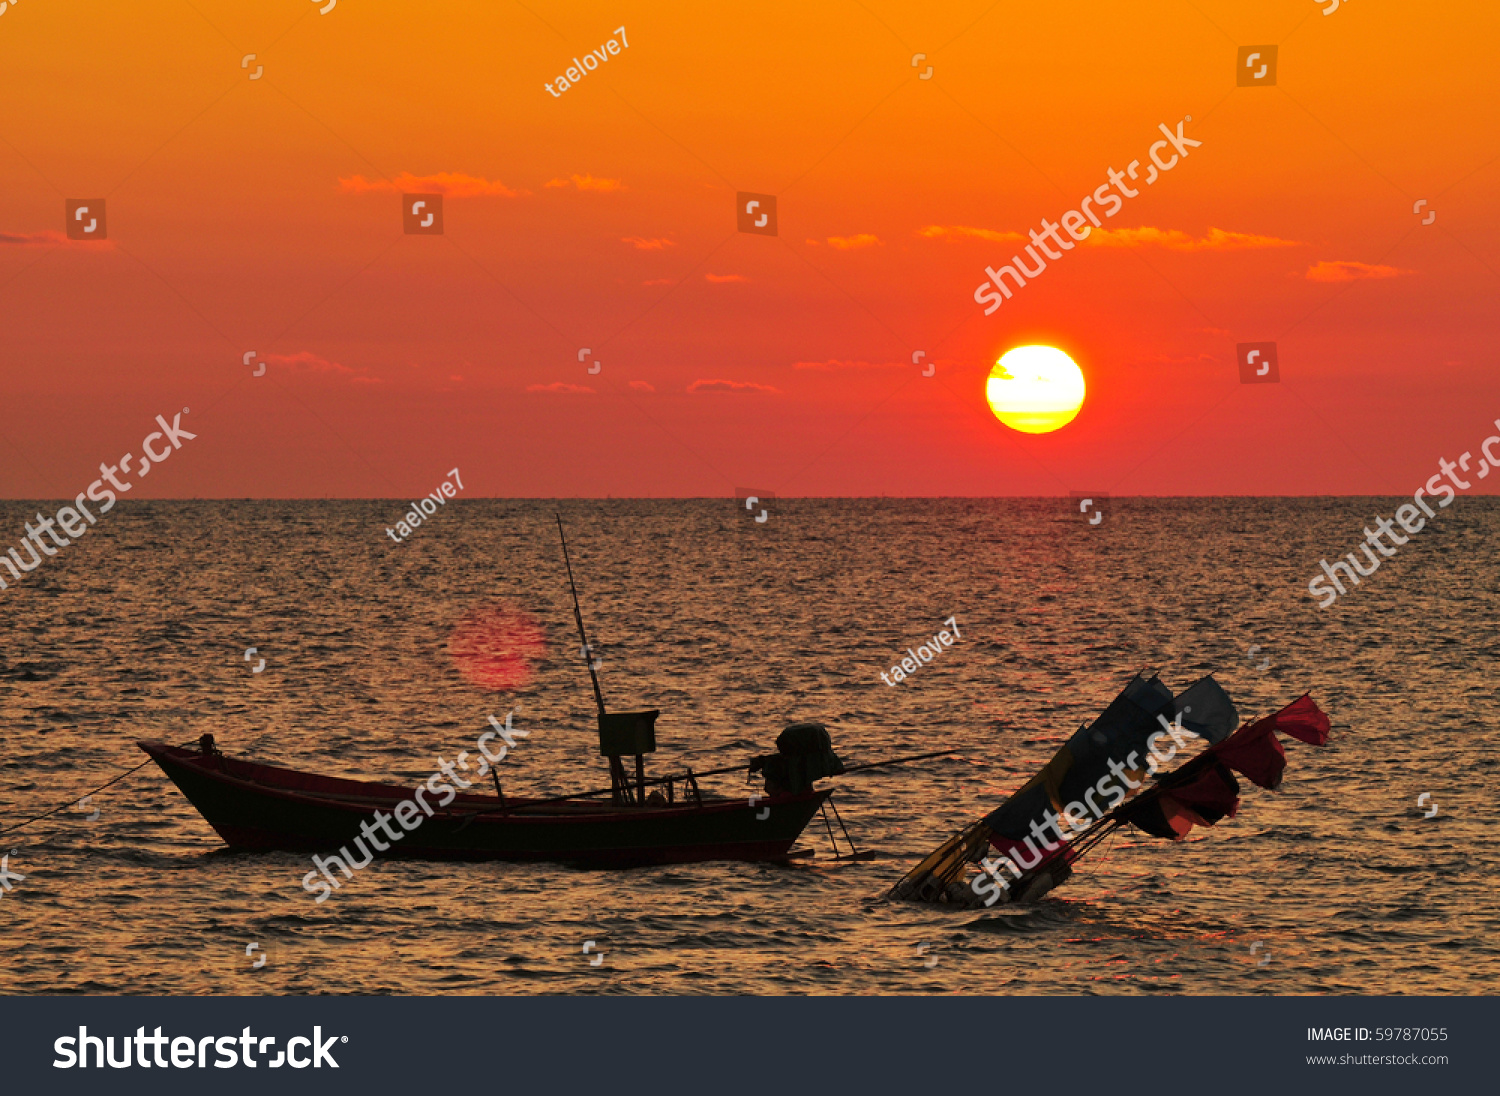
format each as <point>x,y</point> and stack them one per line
<point>1256,752</point>
<point>1211,797</point>
<point>1304,721</point>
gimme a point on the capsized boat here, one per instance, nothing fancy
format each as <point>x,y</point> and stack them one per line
<point>1108,776</point>
<point>655,820</point>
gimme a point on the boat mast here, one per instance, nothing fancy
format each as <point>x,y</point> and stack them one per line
<point>588,655</point>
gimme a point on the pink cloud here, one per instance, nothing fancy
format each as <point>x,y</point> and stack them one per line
<point>850,243</point>
<point>840,364</point>
<point>1174,239</point>
<point>309,364</point>
<point>1169,359</point>
<point>644,243</point>
<point>450,184</point>
<point>659,281</point>
<point>1348,271</point>
<point>733,386</point>
<point>33,239</point>
<point>718,279</point>
<point>642,386</point>
<point>586,182</point>
<point>561,388</point>
<point>961,231</point>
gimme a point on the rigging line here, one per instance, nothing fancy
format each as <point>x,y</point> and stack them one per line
<point>96,791</point>
<point>1100,863</point>
<point>542,21</point>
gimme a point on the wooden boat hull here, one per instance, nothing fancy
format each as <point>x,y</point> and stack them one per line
<point>265,807</point>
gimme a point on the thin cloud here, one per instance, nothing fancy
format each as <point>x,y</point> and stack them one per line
<point>1169,359</point>
<point>948,232</point>
<point>561,388</point>
<point>850,243</point>
<point>648,243</point>
<point>1346,271</point>
<point>307,363</point>
<point>642,386</point>
<point>746,387</point>
<point>1174,239</point>
<point>447,183</point>
<point>659,281</point>
<point>833,365</point>
<point>586,182</point>
<point>32,239</point>
<point>718,279</point>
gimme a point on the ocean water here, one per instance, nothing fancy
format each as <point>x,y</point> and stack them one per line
<point>1336,884</point>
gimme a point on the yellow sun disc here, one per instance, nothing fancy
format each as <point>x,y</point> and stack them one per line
<point>1035,389</point>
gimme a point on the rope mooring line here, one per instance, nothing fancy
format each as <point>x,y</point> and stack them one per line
<point>85,795</point>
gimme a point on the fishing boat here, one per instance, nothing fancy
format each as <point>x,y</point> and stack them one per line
<point>1111,775</point>
<point>256,806</point>
<point>637,820</point>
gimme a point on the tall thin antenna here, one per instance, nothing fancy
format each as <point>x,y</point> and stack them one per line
<point>588,652</point>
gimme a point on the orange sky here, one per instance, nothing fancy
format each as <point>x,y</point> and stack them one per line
<point>264,215</point>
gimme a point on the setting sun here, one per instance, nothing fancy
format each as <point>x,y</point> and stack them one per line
<point>1035,389</point>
